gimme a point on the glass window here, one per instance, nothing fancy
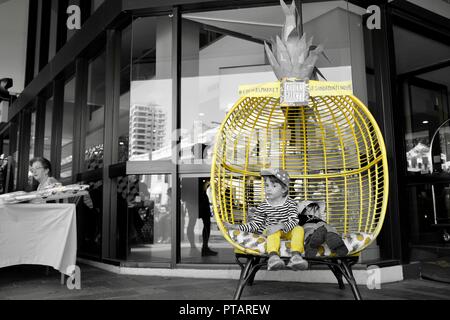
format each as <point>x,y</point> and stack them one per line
<point>89,220</point>
<point>48,128</point>
<point>5,144</point>
<point>151,89</point>
<point>95,114</point>
<point>124,113</point>
<point>5,148</point>
<point>71,32</point>
<point>15,157</point>
<point>442,201</point>
<point>427,208</point>
<point>428,110</point>
<point>144,209</point>
<point>32,133</point>
<point>423,85</point>
<point>95,4</point>
<point>53,29</point>
<point>338,26</point>
<point>201,240</point>
<point>407,41</point>
<point>67,129</point>
<point>224,49</point>
<point>212,70</point>
<point>92,207</point>
<point>426,107</point>
<point>38,38</point>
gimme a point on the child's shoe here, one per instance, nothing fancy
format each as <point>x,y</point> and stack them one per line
<point>275,263</point>
<point>297,263</point>
<point>310,252</point>
<point>336,244</point>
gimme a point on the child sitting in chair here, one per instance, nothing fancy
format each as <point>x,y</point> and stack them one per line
<point>317,231</point>
<point>277,217</point>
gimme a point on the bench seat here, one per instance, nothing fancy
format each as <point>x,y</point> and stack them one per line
<point>257,242</point>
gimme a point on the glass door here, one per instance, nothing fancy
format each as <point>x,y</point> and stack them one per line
<point>144,195</point>
<point>423,82</point>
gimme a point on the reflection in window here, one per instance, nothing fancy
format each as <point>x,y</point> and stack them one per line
<point>426,109</point>
<point>421,211</point>
<point>5,145</point>
<point>5,184</point>
<point>95,114</point>
<point>32,144</point>
<point>213,67</point>
<point>15,157</point>
<point>48,128</point>
<point>144,217</point>
<point>212,70</point>
<point>32,134</point>
<point>444,146</point>
<point>53,29</point>
<point>95,4</point>
<point>67,129</point>
<point>71,32</point>
<point>89,219</point>
<point>151,86</point>
<point>201,240</point>
<point>425,100</point>
<point>124,112</point>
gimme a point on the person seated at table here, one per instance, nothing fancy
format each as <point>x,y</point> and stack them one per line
<point>41,169</point>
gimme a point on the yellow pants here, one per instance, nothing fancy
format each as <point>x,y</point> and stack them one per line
<point>296,236</point>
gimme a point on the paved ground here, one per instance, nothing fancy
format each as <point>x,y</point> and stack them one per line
<point>32,282</point>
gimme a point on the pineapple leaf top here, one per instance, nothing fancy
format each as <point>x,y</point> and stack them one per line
<point>292,55</point>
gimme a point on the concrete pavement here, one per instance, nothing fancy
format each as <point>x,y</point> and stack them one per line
<point>32,283</point>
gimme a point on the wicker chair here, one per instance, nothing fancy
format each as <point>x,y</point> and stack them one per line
<point>334,152</point>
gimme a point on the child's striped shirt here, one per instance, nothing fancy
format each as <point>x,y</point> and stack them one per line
<point>267,215</point>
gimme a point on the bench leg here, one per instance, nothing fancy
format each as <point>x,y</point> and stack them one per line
<point>346,269</point>
<point>252,275</point>
<point>338,274</point>
<point>248,273</point>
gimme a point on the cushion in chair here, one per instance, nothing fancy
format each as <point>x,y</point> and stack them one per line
<point>257,242</point>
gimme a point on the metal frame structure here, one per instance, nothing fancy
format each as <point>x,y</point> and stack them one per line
<point>334,143</point>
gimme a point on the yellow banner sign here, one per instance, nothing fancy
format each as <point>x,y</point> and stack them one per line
<point>316,89</point>
<point>268,89</point>
<point>330,88</point>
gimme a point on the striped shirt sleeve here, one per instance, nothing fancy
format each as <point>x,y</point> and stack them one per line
<point>258,223</point>
<point>292,219</point>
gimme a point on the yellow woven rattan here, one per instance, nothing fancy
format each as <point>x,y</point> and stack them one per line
<point>333,150</point>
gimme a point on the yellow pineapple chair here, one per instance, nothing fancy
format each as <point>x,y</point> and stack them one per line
<point>331,147</point>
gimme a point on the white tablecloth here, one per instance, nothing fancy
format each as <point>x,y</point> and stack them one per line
<point>44,234</point>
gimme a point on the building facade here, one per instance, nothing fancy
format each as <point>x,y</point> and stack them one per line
<point>130,104</point>
<point>147,132</point>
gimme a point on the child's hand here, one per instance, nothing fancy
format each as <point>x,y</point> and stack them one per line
<point>230,226</point>
<point>272,229</point>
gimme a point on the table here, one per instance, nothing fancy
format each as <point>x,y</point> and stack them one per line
<point>43,234</point>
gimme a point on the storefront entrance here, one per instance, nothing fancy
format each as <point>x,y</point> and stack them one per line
<point>422,69</point>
